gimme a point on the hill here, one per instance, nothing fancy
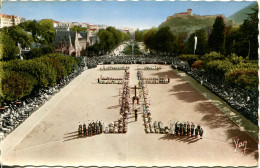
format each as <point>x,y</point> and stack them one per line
<point>188,24</point>
<point>241,15</point>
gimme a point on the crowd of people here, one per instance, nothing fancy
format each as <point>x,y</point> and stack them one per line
<point>149,68</point>
<point>152,80</point>
<point>109,68</point>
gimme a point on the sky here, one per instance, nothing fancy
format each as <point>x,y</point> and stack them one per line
<point>133,14</point>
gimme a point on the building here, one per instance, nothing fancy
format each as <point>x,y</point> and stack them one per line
<point>71,42</point>
<point>188,14</point>
<point>62,26</point>
<point>8,20</point>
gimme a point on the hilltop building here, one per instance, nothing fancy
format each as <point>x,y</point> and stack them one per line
<point>188,14</point>
<point>8,20</point>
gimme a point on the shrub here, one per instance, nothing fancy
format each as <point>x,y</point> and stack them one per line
<point>197,64</point>
<point>189,58</point>
<point>235,59</point>
<point>212,56</point>
<point>246,77</point>
<point>16,85</point>
<point>218,67</point>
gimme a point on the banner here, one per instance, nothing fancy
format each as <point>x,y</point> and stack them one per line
<point>195,44</point>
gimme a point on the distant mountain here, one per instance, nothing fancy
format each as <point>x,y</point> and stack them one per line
<point>188,24</point>
<point>239,17</point>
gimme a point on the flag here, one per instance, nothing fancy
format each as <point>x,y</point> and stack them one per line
<point>195,44</point>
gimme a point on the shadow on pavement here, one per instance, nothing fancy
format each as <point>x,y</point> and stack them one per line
<point>170,74</point>
<point>214,118</point>
<point>185,139</point>
<point>75,136</point>
<point>113,107</point>
<point>187,93</point>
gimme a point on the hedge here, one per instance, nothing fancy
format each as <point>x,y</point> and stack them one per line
<point>20,78</point>
<point>16,85</point>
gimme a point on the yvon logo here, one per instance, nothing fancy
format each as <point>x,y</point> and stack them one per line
<point>241,145</point>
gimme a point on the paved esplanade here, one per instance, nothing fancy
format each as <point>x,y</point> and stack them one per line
<point>49,135</point>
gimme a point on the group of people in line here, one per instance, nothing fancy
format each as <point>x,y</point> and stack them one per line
<point>150,68</point>
<point>104,68</point>
<point>92,128</point>
<point>175,128</point>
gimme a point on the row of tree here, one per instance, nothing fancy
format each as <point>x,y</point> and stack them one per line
<point>221,37</point>
<point>109,39</point>
<point>20,78</point>
<point>25,34</point>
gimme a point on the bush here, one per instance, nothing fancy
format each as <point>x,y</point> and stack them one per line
<point>189,58</point>
<point>218,67</point>
<point>235,59</point>
<point>16,85</point>
<point>245,77</point>
<point>212,56</point>
<point>197,64</point>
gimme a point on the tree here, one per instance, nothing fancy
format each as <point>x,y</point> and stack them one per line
<point>18,35</point>
<point>149,38</point>
<point>180,41</point>
<point>232,41</point>
<point>116,34</point>
<point>201,43</point>
<point>107,41</point>
<point>166,40</point>
<point>216,38</point>
<point>249,30</point>
<point>47,31</point>
<point>125,36</point>
<point>8,47</point>
<point>139,35</point>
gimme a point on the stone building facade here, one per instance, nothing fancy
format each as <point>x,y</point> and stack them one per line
<point>71,42</point>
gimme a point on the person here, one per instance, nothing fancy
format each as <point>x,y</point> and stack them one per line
<point>176,128</point>
<point>101,126</point>
<point>85,129</point>
<point>166,130</point>
<point>172,128</point>
<point>181,128</point>
<point>198,126</point>
<point>188,128</point>
<point>201,133</point>
<point>80,129</point>
<point>192,128</point>
<point>184,128</point>
<point>89,129</point>
<point>136,115</point>
<point>93,127</point>
<point>196,132</point>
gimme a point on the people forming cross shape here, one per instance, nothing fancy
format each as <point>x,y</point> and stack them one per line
<point>120,126</point>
